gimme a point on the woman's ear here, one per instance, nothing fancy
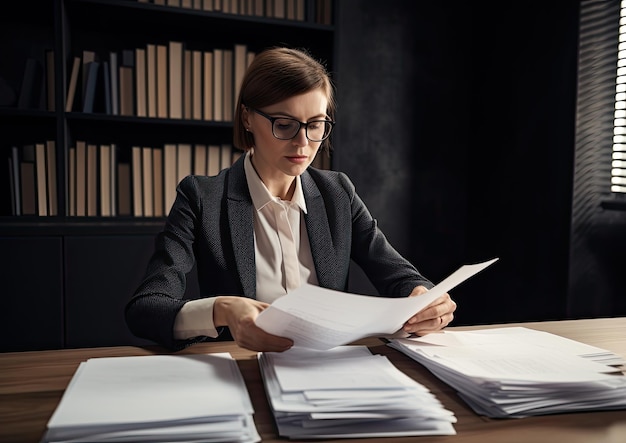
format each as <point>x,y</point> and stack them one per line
<point>245,117</point>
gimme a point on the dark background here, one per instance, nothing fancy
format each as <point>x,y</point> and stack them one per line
<point>457,123</point>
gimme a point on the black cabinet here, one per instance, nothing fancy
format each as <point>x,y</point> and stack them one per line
<point>102,272</point>
<point>31,276</point>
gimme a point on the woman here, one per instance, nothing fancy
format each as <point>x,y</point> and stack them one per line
<point>269,223</point>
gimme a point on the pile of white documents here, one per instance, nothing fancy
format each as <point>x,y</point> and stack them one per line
<point>348,392</point>
<point>156,398</point>
<point>520,372</point>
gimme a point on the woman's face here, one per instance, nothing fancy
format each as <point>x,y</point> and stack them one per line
<point>281,160</point>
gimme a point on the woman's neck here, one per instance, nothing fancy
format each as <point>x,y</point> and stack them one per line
<point>282,189</point>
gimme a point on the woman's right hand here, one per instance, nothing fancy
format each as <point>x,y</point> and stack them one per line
<point>239,314</point>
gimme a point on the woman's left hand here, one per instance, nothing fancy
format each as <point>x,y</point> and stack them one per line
<point>433,317</point>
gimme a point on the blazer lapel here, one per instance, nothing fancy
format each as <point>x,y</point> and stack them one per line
<point>241,222</point>
<point>320,238</point>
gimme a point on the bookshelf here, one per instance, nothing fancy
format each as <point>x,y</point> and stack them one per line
<point>42,43</point>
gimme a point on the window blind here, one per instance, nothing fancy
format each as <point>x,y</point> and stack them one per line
<point>618,162</point>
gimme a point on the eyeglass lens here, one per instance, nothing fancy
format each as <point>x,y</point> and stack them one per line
<point>286,129</point>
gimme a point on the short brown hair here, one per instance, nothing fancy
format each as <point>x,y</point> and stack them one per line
<point>277,74</point>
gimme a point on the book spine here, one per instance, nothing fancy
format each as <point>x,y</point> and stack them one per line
<point>71,89</point>
<point>41,179</point>
<point>115,90</point>
<point>90,87</point>
<point>51,174</point>
<point>15,175</point>
<point>140,82</point>
<point>176,62</point>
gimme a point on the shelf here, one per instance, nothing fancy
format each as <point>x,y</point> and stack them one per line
<point>159,24</point>
<point>23,126</point>
<point>99,128</point>
<point>12,112</point>
<point>72,27</point>
<point>74,226</point>
<point>155,13</point>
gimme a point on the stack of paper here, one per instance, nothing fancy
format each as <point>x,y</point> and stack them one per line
<point>348,392</point>
<point>520,372</point>
<point>155,398</point>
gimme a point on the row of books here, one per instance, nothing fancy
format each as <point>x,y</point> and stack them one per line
<point>32,179</point>
<point>287,9</point>
<point>103,183</point>
<point>159,81</point>
<point>282,9</point>
<point>37,90</point>
<point>106,181</point>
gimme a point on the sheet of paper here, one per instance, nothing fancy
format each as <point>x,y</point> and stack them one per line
<point>525,363</point>
<point>517,336</point>
<point>104,378</point>
<point>506,336</point>
<point>369,372</point>
<point>319,318</point>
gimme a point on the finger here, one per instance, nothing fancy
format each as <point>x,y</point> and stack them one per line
<point>418,290</point>
<point>276,343</point>
<point>429,325</point>
<point>430,312</point>
<point>258,340</point>
<point>439,301</point>
<point>445,320</point>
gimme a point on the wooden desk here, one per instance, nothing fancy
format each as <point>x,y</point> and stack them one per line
<point>32,383</point>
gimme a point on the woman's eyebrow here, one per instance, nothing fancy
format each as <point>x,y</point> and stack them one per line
<point>320,116</point>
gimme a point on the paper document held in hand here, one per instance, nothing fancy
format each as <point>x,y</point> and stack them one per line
<point>320,318</point>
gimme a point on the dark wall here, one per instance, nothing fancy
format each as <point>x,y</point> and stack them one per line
<point>598,225</point>
<point>457,124</point>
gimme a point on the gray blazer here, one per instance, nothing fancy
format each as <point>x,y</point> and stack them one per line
<point>211,224</point>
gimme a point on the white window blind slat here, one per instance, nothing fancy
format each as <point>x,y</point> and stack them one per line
<point>618,165</point>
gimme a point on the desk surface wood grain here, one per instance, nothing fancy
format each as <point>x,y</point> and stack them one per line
<point>32,384</point>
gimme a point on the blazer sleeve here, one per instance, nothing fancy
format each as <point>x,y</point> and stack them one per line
<point>152,310</point>
<point>390,273</point>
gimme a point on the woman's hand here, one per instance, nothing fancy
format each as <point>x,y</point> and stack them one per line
<point>239,314</point>
<point>433,317</point>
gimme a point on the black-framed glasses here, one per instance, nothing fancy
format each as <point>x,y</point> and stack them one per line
<point>286,128</point>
